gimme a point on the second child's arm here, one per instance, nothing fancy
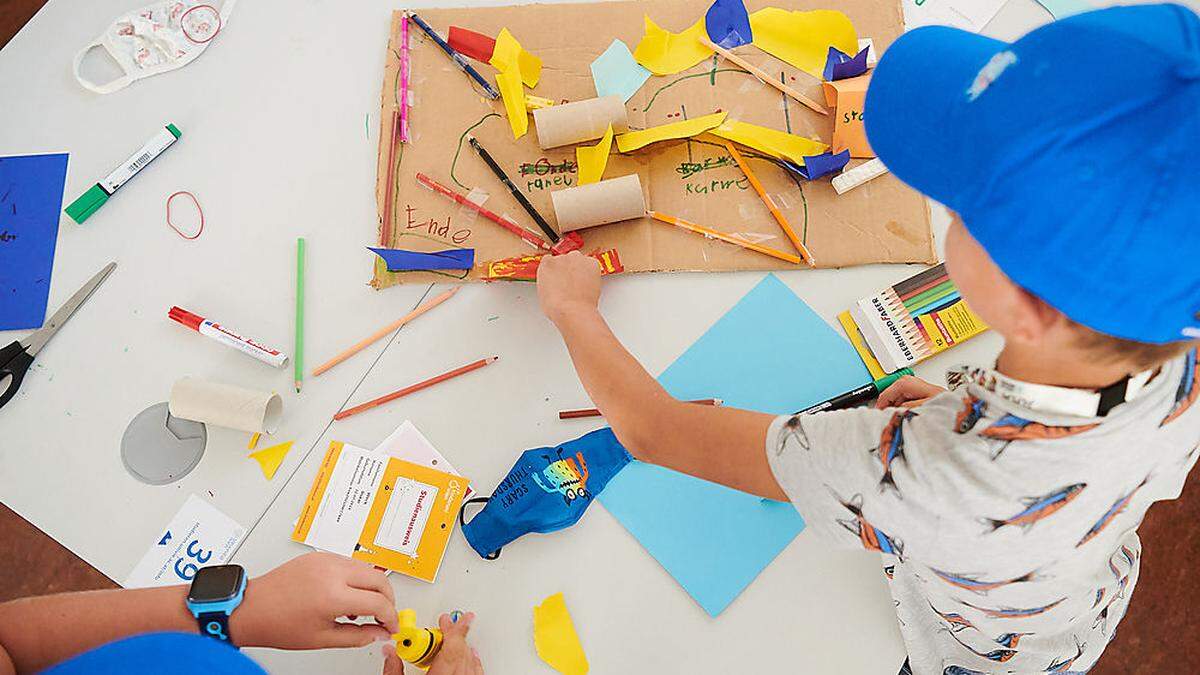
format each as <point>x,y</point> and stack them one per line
<point>723,445</point>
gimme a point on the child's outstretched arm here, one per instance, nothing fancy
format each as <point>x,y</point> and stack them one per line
<point>723,445</point>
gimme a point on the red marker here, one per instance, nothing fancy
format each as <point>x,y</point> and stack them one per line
<point>529,237</point>
<point>228,338</point>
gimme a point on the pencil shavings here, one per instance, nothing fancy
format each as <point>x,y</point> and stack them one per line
<point>524,268</point>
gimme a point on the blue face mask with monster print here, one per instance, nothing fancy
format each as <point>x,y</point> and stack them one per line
<point>547,490</point>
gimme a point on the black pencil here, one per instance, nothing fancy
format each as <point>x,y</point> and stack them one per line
<point>537,217</point>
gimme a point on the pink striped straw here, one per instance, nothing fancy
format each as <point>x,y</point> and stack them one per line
<point>405,66</point>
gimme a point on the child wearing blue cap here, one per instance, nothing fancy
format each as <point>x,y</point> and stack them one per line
<point>1006,508</point>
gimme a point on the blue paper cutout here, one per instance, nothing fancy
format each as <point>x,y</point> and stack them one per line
<point>820,165</point>
<point>728,24</point>
<point>771,353</point>
<point>399,260</point>
<point>840,66</point>
<point>31,191</point>
<point>616,73</point>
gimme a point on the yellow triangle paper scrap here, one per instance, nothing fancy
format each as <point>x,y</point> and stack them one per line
<point>593,159</point>
<point>513,93</point>
<point>666,53</point>
<point>555,639</point>
<point>803,38</point>
<point>778,144</point>
<point>685,129</point>
<point>509,54</point>
<point>270,458</point>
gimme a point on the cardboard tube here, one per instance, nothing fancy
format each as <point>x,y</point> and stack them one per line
<point>609,201</point>
<point>225,405</point>
<point>580,121</point>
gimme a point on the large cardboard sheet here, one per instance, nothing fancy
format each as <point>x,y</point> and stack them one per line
<point>882,221</point>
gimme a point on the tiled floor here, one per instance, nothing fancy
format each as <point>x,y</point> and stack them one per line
<point>1156,637</point>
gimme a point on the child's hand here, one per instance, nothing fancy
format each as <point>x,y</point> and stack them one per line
<point>295,605</point>
<point>908,392</point>
<point>566,283</point>
<point>457,657</point>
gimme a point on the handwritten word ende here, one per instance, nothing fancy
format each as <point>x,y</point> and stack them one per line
<point>543,167</point>
<point>435,228</point>
<point>688,169</point>
<point>717,186</point>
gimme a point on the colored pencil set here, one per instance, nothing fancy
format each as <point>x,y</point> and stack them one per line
<point>910,322</point>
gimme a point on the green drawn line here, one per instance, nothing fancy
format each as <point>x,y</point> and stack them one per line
<point>396,191</point>
<point>787,110</point>
<point>667,86</point>
<point>712,80</point>
<point>457,152</point>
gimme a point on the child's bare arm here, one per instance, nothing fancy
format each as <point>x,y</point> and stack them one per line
<point>723,445</point>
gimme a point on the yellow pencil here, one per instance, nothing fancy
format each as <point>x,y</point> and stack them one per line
<point>728,238</point>
<point>762,194</point>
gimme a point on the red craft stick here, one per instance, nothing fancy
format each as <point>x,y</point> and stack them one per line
<point>529,237</point>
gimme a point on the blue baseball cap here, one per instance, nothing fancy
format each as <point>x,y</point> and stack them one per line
<point>1072,155</point>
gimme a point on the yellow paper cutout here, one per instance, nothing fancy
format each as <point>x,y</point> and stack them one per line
<point>847,97</point>
<point>537,102</point>
<point>593,159</point>
<point>270,458</point>
<point>778,144</point>
<point>686,129</point>
<point>513,93</point>
<point>509,53</point>
<point>555,639</point>
<point>802,38</point>
<point>666,53</point>
<point>253,441</point>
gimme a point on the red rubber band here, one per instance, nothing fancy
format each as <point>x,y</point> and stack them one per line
<point>183,26</point>
<point>198,210</point>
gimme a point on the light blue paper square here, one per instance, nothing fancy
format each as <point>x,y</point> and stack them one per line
<point>770,353</point>
<point>616,73</point>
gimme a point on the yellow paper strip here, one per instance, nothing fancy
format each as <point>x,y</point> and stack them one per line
<point>513,93</point>
<point>686,129</point>
<point>555,639</point>
<point>270,458</point>
<point>778,144</point>
<point>509,54</point>
<point>593,159</point>
<point>253,441</point>
<point>666,53</point>
<point>537,102</point>
<point>801,38</point>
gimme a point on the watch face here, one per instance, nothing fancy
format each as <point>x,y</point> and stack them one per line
<point>216,583</point>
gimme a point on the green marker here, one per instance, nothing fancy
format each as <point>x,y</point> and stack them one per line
<point>91,201</point>
<point>858,396</point>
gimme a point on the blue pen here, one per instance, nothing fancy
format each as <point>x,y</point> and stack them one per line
<point>455,56</point>
<point>939,305</point>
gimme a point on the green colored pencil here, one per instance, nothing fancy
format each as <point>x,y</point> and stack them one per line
<point>932,295</point>
<point>299,355</point>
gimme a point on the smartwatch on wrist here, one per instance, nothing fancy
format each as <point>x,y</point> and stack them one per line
<point>216,591</point>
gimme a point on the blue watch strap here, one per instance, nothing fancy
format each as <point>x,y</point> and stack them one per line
<point>215,625</point>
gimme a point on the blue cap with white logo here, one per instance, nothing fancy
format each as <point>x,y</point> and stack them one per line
<point>1071,156</point>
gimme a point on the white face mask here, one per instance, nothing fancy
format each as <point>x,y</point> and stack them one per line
<point>156,39</point>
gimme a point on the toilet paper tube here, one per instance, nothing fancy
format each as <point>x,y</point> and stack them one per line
<point>609,201</point>
<point>580,121</point>
<point>225,405</point>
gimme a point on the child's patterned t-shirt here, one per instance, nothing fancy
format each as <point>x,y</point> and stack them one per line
<point>1008,533</point>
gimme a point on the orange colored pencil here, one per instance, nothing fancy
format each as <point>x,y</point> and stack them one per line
<point>415,388</point>
<point>728,238</point>
<point>594,412</point>
<point>384,332</point>
<point>762,194</point>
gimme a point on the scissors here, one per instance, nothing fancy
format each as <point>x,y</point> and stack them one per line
<point>16,358</point>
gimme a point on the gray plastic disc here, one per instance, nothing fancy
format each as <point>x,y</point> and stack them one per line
<point>159,449</point>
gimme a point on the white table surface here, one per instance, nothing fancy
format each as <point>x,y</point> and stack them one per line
<point>279,140</point>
